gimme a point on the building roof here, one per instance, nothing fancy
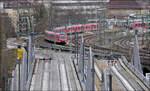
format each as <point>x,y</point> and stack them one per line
<point>128,4</point>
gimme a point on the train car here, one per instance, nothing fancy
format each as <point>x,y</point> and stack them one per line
<point>59,34</point>
<point>136,25</point>
<point>91,26</point>
<point>59,29</point>
<point>74,28</point>
<point>56,36</point>
<point>77,28</point>
<point>139,25</point>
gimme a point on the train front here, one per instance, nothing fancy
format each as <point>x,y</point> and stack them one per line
<point>62,37</point>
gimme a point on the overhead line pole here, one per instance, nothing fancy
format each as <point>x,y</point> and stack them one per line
<point>19,60</point>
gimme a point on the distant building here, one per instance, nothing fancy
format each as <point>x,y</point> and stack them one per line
<point>10,7</point>
<point>74,9</point>
<point>1,5</point>
<point>126,7</point>
<point>13,4</point>
<point>87,6</point>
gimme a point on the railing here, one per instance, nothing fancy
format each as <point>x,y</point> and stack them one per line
<point>136,72</point>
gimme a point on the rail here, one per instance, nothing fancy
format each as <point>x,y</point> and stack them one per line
<point>136,72</point>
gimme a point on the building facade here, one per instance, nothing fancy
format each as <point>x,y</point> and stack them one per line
<point>127,7</point>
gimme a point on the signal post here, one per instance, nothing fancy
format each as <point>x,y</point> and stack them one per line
<point>18,52</point>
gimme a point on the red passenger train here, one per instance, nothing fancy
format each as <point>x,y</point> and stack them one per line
<point>140,25</point>
<point>59,34</point>
<point>55,37</point>
<point>76,28</point>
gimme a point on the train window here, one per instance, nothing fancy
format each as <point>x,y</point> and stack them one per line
<point>64,30</point>
<point>82,27</point>
<point>79,28</point>
<point>89,27</point>
<point>72,29</point>
<point>143,24</point>
<point>76,29</point>
<point>138,25</point>
<point>93,27</point>
<point>62,36</point>
<point>86,27</point>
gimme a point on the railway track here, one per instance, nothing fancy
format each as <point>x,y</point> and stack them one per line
<point>99,49</point>
<point>121,46</point>
<point>124,44</point>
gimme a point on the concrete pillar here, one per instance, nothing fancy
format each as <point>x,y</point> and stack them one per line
<point>81,61</point>
<point>135,56</point>
<point>90,72</point>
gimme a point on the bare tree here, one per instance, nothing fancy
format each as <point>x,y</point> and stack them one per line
<point>7,60</point>
<point>40,16</point>
<point>0,55</point>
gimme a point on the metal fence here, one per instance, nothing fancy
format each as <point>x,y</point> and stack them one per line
<point>136,72</point>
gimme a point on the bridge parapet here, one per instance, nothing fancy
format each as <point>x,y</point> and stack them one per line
<point>136,72</point>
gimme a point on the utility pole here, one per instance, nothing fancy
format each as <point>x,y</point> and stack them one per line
<point>1,54</point>
<point>19,60</point>
<point>70,38</point>
<point>18,53</point>
<point>142,30</point>
<point>90,72</point>
<point>100,23</point>
<point>18,18</point>
<point>76,45</point>
<point>104,25</point>
<point>136,62</point>
<point>77,48</point>
<point>81,61</point>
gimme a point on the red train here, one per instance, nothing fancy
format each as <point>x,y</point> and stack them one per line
<point>140,25</point>
<point>59,34</point>
<point>55,37</point>
<point>76,28</point>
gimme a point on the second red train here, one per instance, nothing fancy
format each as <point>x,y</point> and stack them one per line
<point>59,34</point>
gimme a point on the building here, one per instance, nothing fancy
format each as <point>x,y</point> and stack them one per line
<point>126,7</point>
<point>74,9</point>
<point>14,4</point>
<point>12,7</point>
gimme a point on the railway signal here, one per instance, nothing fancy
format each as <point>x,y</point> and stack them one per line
<point>18,52</point>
